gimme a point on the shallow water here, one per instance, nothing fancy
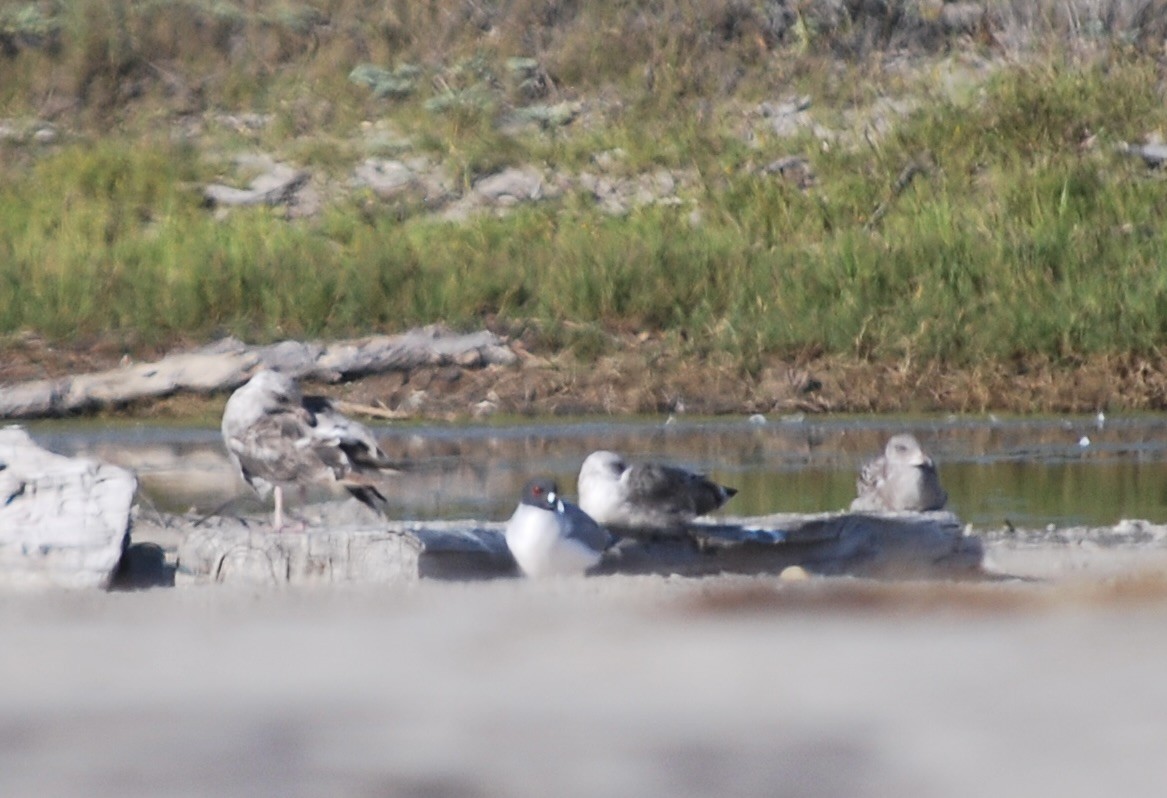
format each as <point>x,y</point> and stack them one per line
<point>1027,471</point>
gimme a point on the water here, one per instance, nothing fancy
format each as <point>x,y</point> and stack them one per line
<point>1029,472</point>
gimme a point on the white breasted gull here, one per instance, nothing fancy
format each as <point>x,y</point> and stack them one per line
<point>278,438</point>
<point>645,496</point>
<point>902,478</point>
<point>551,537</point>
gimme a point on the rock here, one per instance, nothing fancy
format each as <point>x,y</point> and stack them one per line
<point>63,521</point>
<point>787,118</point>
<point>340,548</point>
<point>415,179</point>
<point>794,169</point>
<point>794,573</point>
<point>277,185</point>
<point>243,551</point>
<point>511,186</point>
<point>618,195</point>
<point>387,179</point>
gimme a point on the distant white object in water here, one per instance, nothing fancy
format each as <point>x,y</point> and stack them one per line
<point>645,495</point>
<point>277,438</point>
<point>548,536</point>
<point>757,418</point>
<point>1100,420</point>
<point>1084,441</point>
<point>903,478</point>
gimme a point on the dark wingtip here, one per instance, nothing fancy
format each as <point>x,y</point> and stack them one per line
<point>316,404</point>
<point>370,497</point>
<point>729,492</point>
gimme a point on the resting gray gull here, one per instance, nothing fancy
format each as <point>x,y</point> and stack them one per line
<point>903,478</point>
<point>551,537</point>
<point>277,438</point>
<point>646,496</point>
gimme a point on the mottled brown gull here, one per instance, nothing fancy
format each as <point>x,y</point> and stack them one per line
<point>646,496</point>
<point>278,438</point>
<point>902,478</point>
<point>551,537</point>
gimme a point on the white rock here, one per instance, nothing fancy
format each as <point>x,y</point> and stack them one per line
<point>511,184</point>
<point>63,521</point>
<point>387,179</point>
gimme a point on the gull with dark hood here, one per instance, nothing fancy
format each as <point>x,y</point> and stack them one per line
<point>551,537</point>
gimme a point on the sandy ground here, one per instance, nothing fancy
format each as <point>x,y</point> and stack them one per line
<point>602,686</point>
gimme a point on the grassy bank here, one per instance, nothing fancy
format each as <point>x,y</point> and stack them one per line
<point>1023,232</point>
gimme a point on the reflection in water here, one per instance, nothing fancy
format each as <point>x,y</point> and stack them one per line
<point>1030,472</point>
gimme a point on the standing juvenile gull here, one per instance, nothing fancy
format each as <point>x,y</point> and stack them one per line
<point>645,495</point>
<point>550,537</point>
<point>903,478</point>
<point>278,438</point>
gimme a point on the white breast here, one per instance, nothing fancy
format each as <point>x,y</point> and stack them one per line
<point>536,541</point>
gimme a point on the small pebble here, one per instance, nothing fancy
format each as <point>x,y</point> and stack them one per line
<point>794,573</point>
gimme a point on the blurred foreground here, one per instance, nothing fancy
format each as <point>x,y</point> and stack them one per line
<point>604,686</point>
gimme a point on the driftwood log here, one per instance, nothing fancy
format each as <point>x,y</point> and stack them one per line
<point>64,521</point>
<point>231,550</point>
<point>228,363</point>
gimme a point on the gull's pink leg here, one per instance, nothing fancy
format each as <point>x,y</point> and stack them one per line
<point>278,520</point>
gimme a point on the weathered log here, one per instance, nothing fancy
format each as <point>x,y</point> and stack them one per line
<point>891,546</point>
<point>64,521</point>
<point>228,363</point>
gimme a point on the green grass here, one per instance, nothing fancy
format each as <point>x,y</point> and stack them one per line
<point>1027,235</point>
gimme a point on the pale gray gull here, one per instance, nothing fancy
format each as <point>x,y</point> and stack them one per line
<point>551,537</point>
<point>903,478</point>
<point>278,438</point>
<point>646,496</point>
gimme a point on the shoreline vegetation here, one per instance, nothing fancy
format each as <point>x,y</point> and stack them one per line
<point>910,205</point>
